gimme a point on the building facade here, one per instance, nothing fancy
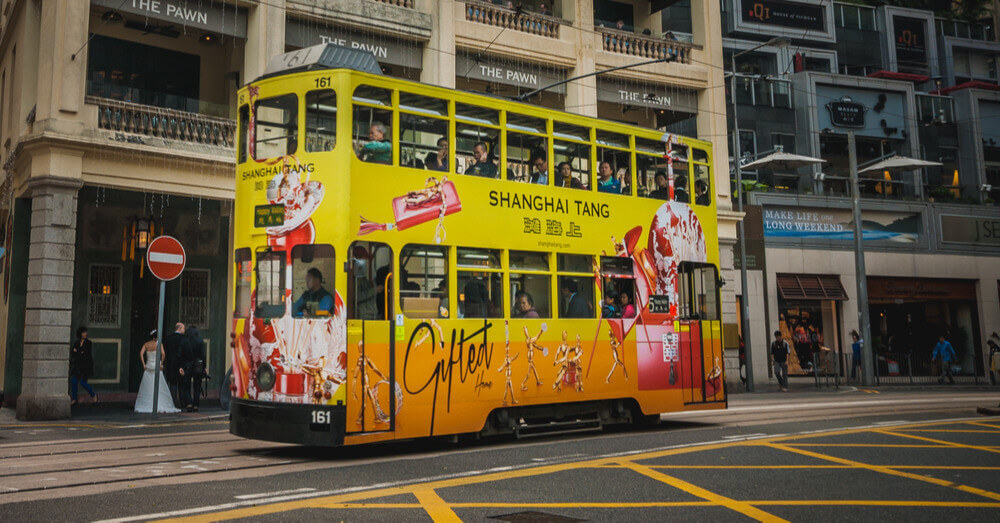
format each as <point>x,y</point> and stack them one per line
<point>117,125</point>
<point>904,82</point>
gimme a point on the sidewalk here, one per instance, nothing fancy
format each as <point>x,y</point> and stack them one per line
<point>112,412</point>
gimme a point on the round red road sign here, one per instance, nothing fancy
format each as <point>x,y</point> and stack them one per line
<point>165,257</point>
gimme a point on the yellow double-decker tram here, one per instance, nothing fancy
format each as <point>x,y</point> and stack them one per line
<point>417,261</point>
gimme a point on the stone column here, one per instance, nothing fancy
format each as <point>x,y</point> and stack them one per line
<point>581,95</point>
<point>265,37</point>
<point>439,52</point>
<point>49,300</point>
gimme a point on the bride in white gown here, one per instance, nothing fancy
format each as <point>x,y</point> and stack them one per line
<point>144,401</point>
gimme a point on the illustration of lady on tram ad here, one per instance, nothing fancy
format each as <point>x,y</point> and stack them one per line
<point>675,236</point>
<point>298,355</point>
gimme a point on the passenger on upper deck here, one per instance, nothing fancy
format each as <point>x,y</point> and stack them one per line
<point>701,193</point>
<point>680,189</point>
<point>378,149</point>
<point>565,178</point>
<point>662,191</point>
<point>315,300</point>
<point>484,165</point>
<point>608,183</point>
<point>438,161</point>
<point>540,174</point>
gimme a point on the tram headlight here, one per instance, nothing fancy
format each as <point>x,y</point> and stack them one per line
<point>265,377</point>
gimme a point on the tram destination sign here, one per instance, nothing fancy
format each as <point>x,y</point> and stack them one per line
<point>269,215</point>
<point>797,15</point>
<point>659,303</point>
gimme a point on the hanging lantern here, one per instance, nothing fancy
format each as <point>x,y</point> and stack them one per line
<point>137,235</point>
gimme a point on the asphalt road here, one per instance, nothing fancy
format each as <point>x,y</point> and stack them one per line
<point>893,456</point>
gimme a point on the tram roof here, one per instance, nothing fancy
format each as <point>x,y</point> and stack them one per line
<point>322,56</point>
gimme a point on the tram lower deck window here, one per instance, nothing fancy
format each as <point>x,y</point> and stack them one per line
<point>312,284</point>
<point>423,281</point>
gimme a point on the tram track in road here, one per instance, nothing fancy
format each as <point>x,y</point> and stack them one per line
<point>40,446</point>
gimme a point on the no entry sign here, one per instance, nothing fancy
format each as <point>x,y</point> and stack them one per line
<point>166,258</point>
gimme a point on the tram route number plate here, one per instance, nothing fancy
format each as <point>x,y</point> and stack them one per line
<point>659,304</point>
<point>269,215</point>
<point>320,421</point>
<point>670,340</point>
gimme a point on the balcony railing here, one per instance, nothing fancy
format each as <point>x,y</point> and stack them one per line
<point>498,16</point>
<point>170,124</point>
<point>400,3</point>
<point>641,46</point>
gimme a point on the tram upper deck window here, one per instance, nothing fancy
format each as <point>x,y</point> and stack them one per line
<point>571,151</point>
<point>372,132</point>
<point>613,171</point>
<point>416,103</point>
<point>275,127</point>
<point>321,121</point>
<point>611,139</point>
<point>312,272</point>
<point>423,142</point>
<point>270,284</point>
<point>652,176</point>
<point>477,138</point>
<point>527,158</point>
<point>423,282</point>
<point>477,115</point>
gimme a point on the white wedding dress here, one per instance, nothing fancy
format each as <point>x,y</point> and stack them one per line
<point>144,401</point>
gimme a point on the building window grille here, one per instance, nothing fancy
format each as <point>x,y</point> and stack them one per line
<point>104,296</point>
<point>194,308</point>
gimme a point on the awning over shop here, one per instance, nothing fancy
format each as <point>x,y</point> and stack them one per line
<point>975,84</point>
<point>906,77</point>
<point>811,287</point>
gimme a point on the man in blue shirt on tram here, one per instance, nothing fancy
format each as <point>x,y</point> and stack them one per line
<point>315,300</point>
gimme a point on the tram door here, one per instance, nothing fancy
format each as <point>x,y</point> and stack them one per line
<point>700,333</point>
<point>371,399</point>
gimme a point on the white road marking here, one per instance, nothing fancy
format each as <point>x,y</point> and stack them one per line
<point>745,436</point>
<point>277,493</point>
<point>539,460</point>
<point>306,495</point>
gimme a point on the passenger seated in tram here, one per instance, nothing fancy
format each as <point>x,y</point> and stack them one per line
<point>701,193</point>
<point>680,189</point>
<point>608,183</point>
<point>662,191</point>
<point>438,161</point>
<point>610,308</point>
<point>377,149</point>
<point>484,166</point>
<point>540,174</point>
<point>524,305</point>
<point>315,300</point>
<point>565,178</point>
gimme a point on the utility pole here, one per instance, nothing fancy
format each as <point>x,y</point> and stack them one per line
<point>864,322</point>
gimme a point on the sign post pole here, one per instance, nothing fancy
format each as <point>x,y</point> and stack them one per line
<point>867,372</point>
<point>159,344</point>
<point>166,260</point>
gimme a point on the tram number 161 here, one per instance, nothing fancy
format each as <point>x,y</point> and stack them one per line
<point>321,417</point>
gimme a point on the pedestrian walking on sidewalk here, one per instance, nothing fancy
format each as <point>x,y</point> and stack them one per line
<point>944,353</point>
<point>779,358</point>
<point>191,368</point>
<point>855,353</point>
<point>81,365</point>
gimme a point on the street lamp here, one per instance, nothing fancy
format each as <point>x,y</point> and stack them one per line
<point>779,41</point>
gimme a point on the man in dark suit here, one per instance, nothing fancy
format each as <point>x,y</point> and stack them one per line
<point>574,305</point>
<point>171,359</point>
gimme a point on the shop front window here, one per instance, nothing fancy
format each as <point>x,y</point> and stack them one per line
<point>808,327</point>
